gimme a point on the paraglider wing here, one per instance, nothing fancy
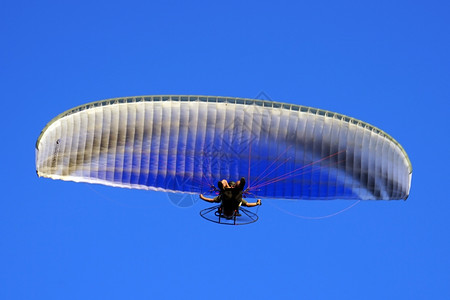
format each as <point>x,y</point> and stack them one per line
<point>188,143</point>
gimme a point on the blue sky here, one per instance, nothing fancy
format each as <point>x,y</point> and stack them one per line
<point>384,62</point>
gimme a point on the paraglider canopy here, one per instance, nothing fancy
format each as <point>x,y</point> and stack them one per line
<point>186,143</point>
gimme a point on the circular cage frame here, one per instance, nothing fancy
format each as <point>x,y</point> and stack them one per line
<point>213,214</point>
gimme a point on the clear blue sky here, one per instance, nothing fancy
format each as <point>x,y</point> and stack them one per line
<point>384,62</point>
